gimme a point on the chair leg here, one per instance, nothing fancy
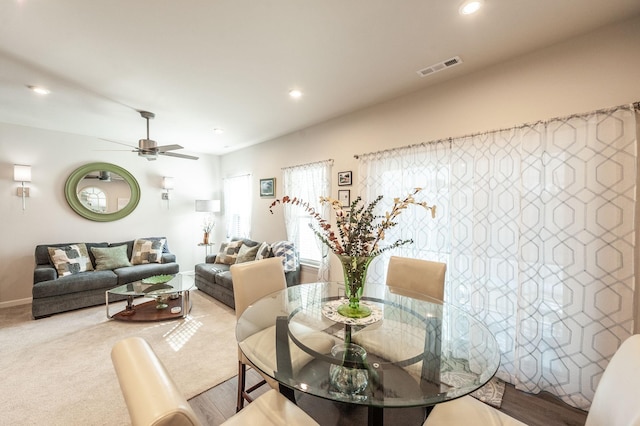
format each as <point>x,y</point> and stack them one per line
<point>243,393</point>
<point>242,378</point>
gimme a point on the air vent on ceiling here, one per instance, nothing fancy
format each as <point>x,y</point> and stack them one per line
<point>439,66</point>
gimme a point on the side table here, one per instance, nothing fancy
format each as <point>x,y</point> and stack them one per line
<point>206,248</point>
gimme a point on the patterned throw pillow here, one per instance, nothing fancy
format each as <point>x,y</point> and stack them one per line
<point>71,259</point>
<point>228,252</point>
<point>247,254</point>
<point>264,251</point>
<point>147,251</point>
<point>110,257</point>
<point>286,250</point>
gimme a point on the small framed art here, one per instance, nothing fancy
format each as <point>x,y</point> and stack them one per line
<point>344,196</point>
<point>344,178</point>
<point>268,187</point>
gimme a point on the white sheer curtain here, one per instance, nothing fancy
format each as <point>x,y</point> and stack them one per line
<point>308,182</point>
<point>536,225</point>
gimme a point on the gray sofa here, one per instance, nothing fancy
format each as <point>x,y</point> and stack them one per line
<point>215,278</point>
<point>53,294</point>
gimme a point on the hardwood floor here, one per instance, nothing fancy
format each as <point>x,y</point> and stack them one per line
<point>219,403</point>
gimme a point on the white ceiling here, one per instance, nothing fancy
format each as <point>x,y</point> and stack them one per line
<point>202,64</point>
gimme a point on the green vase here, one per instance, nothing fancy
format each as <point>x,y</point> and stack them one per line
<point>355,275</point>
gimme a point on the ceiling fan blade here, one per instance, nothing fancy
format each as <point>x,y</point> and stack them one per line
<point>164,148</point>
<point>173,154</point>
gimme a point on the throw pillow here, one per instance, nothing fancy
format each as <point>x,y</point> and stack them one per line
<point>147,251</point>
<point>247,254</point>
<point>71,259</point>
<point>228,252</point>
<point>110,257</point>
<point>264,251</point>
<point>286,250</point>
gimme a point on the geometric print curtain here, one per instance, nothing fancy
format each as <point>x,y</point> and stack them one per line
<point>537,227</point>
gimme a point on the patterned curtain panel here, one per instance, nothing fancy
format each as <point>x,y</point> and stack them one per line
<point>536,225</point>
<point>309,182</point>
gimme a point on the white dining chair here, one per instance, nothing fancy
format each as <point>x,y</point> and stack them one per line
<point>252,281</point>
<point>417,275</point>
<point>468,411</point>
<point>414,278</point>
<point>153,398</point>
<point>615,402</point>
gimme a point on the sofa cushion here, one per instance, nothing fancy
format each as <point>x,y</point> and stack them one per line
<point>129,244</point>
<point>147,251</point>
<point>223,279</point>
<point>71,259</point>
<point>138,272</point>
<point>77,283</point>
<point>247,254</point>
<point>111,257</point>
<point>264,251</point>
<point>286,250</point>
<point>42,252</point>
<point>228,252</point>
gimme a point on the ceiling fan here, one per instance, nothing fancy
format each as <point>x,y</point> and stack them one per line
<point>150,150</point>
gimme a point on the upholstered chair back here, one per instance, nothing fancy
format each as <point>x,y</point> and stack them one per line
<point>254,280</point>
<point>417,275</point>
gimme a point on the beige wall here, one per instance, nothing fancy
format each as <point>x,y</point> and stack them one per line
<point>594,71</point>
<point>48,218</point>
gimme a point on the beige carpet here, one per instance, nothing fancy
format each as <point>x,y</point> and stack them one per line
<point>58,371</point>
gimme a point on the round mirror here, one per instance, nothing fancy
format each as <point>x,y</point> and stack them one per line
<point>102,192</point>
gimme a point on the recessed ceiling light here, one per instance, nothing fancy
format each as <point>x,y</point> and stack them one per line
<point>295,93</point>
<point>218,131</point>
<point>469,7</point>
<point>40,90</point>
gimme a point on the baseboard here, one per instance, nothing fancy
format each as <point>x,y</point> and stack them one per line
<point>308,274</point>
<point>17,302</point>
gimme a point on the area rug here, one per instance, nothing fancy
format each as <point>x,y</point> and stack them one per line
<point>491,393</point>
<point>58,370</point>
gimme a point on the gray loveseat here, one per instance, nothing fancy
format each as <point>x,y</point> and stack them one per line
<point>53,293</point>
<point>214,277</point>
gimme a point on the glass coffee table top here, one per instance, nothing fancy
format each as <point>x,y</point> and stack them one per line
<point>149,288</point>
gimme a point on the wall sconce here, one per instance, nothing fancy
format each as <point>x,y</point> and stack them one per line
<point>22,173</point>
<point>167,184</point>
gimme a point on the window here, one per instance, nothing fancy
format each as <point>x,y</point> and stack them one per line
<point>308,182</point>
<point>237,201</point>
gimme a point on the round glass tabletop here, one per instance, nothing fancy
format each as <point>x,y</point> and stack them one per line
<point>416,351</point>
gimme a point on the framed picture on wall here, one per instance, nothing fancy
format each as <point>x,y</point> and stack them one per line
<point>344,196</point>
<point>344,178</point>
<point>268,187</point>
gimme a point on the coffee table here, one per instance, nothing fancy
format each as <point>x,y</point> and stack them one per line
<point>170,300</point>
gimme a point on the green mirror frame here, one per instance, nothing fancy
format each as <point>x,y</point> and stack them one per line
<point>71,188</point>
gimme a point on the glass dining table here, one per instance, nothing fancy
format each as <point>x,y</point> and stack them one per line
<point>412,351</point>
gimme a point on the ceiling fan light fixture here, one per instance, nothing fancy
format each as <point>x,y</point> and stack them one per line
<point>470,7</point>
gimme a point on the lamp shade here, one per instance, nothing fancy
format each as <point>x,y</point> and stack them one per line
<point>21,173</point>
<point>167,182</point>
<point>208,206</point>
